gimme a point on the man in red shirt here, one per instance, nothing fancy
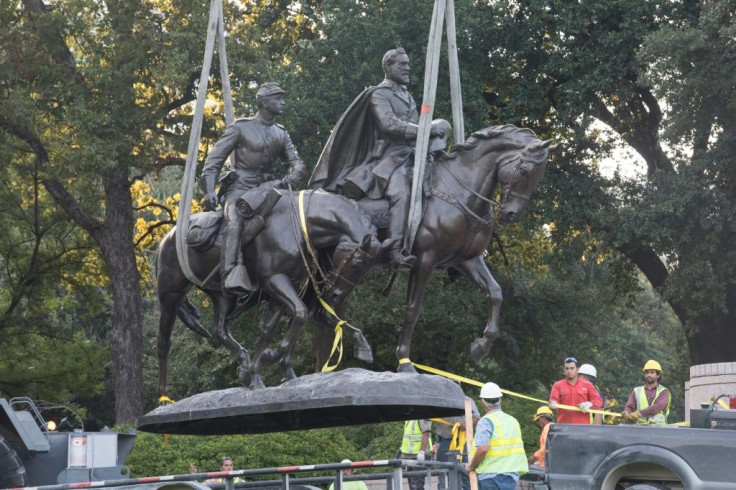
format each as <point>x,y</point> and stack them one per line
<point>574,391</point>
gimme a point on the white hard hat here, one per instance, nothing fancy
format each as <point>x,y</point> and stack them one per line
<point>490,391</point>
<point>346,461</point>
<point>588,369</point>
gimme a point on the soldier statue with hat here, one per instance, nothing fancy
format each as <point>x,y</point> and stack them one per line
<point>256,143</point>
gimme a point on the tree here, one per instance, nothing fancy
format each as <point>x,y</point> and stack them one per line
<point>87,88</point>
<point>46,352</point>
<point>636,67</point>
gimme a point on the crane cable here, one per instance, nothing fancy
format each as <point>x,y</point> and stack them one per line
<point>215,30</point>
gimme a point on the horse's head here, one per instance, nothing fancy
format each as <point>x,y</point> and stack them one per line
<point>352,263</point>
<point>519,173</point>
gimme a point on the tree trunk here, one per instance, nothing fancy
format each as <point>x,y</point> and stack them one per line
<point>126,338</point>
<point>710,338</point>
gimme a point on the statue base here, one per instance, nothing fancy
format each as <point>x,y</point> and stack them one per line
<point>348,397</point>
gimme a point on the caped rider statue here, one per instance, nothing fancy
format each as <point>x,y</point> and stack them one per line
<point>371,150</point>
<point>256,142</point>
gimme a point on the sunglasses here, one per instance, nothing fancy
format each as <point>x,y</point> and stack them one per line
<point>571,359</point>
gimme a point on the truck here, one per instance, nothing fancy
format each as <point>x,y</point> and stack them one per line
<point>31,454</point>
<point>643,457</point>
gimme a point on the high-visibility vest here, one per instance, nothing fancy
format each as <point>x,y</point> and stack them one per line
<point>505,449</point>
<point>642,403</point>
<point>412,442</point>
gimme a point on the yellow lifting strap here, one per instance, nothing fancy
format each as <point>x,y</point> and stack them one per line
<point>457,441</point>
<point>506,392</point>
<point>337,343</point>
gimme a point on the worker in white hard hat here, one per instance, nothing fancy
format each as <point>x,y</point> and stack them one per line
<point>589,372</point>
<point>649,404</point>
<point>349,485</point>
<point>499,457</point>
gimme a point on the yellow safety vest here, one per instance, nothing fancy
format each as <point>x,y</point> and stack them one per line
<point>412,442</point>
<point>505,449</point>
<point>642,403</point>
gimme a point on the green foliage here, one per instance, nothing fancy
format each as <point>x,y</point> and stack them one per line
<point>150,456</point>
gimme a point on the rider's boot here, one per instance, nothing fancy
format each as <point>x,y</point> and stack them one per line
<point>234,277</point>
<point>392,246</point>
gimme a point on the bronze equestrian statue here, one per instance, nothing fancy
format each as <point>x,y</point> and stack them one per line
<point>373,142</point>
<point>372,149</point>
<point>261,249</point>
<point>277,259</point>
<point>256,142</point>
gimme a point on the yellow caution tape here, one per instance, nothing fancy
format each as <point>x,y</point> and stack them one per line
<point>337,343</point>
<point>463,379</point>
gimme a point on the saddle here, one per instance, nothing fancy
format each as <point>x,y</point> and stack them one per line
<point>253,206</point>
<point>204,228</point>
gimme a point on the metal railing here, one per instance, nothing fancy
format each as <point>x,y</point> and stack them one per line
<point>450,475</point>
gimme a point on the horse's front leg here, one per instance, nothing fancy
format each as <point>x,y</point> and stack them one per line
<point>281,290</point>
<point>168,304</point>
<point>268,329</point>
<point>477,271</point>
<point>418,279</point>
<point>223,306</point>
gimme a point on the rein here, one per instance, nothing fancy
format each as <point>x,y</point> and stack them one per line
<point>452,198</point>
<point>337,343</point>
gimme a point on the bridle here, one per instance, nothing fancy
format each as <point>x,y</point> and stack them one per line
<point>329,280</point>
<point>508,188</point>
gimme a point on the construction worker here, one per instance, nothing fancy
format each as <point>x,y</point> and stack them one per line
<point>349,485</point>
<point>649,404</point>
<point>415,445</point>
<point>574,391</point>
<point>226,465</point>
<point>544,419</point>
<point>589,372</point>
<point>499,457</point>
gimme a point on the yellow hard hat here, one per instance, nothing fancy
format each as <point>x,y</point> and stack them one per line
<point>544,411</point>
<point>652,365</point>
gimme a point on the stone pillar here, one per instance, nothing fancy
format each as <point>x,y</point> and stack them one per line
<point>709,380</point>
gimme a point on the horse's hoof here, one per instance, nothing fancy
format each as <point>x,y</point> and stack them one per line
<point>257,383</point>
<point>364,354</point>
<point>243,358</point>
<point>289,374</point>
<point>407,367</point>
<point>480,348</point>
<point>244,376</point>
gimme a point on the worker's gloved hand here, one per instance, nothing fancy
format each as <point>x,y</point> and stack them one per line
<point>210,201</point>
<point>553,405</point>
<point>420,456</point>
<point>585,406</point>
<point>635,415</point>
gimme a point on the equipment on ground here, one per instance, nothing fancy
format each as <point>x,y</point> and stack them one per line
<point>31,454</point>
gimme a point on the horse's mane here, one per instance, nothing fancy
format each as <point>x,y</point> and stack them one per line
<point>505,130</point>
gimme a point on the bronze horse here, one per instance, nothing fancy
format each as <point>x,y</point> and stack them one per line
<point>457,220</point>
<point>277,260</point>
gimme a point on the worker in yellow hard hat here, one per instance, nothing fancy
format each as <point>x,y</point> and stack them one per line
<point>649,404</point>
<point>544,419</point>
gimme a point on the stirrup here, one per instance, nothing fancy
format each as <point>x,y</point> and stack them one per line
<point>237,282</point>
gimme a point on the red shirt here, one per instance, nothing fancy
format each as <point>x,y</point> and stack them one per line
<point>568,394</point>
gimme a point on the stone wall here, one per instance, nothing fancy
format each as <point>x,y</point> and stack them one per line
<point>708,380</point>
